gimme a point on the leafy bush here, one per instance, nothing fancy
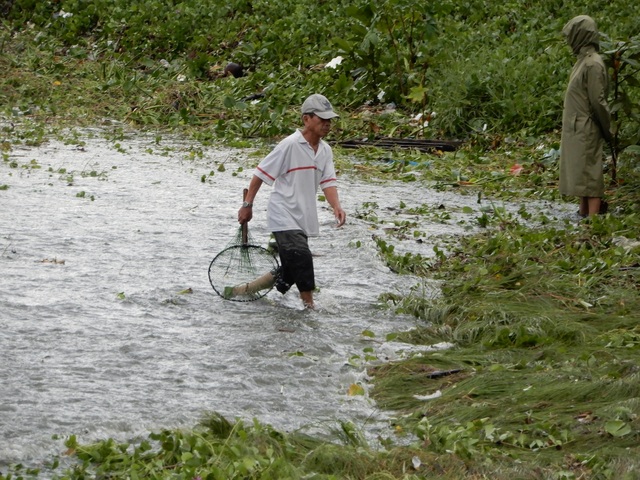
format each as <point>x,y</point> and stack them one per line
<point>482,67</point>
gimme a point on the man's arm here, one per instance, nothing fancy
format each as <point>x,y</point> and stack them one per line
<point>245,214</point>
<point>331,194</point>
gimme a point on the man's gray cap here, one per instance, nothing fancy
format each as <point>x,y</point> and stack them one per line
<point>320,106</point>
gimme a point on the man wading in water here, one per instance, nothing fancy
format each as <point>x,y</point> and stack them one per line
<point>295,168</point>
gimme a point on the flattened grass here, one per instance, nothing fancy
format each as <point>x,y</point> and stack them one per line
<point>545,325</point>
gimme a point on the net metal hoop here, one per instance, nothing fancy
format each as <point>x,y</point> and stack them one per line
<point>239,264</point>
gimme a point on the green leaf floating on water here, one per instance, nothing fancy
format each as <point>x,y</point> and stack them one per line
<point>355,389</point>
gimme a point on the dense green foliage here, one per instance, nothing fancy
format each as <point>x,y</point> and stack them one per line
<point>496,67</point>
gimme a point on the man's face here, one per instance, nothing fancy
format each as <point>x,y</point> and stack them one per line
<point>317,125</point>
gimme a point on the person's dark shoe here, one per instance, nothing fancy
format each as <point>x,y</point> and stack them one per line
<point>604,207</point>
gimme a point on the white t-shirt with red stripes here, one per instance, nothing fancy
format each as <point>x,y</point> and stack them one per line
<point>295,171</point>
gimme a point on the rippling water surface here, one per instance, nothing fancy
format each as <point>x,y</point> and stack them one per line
<point>108,323</point>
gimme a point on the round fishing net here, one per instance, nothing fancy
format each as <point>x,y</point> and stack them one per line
<point>243,272</point>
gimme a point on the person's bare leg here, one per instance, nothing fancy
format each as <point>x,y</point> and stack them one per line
<point>307,299</point>
<point>584,206</point>
<point>594,205</point>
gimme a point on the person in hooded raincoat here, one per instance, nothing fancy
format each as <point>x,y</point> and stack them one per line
<point>586,119</point>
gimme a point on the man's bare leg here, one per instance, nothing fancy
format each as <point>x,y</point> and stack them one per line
<point>307,299</point>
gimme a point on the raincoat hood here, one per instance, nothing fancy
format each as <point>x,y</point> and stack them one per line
<point>581,31</point>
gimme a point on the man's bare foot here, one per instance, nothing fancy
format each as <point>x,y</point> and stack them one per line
<point>307,300</point>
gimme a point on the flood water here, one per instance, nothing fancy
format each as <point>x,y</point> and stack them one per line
<point>109,326</point>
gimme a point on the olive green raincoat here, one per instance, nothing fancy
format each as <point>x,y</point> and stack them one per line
<point>586,118</point>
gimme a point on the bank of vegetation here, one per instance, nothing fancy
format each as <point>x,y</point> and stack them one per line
<point>543,379</point>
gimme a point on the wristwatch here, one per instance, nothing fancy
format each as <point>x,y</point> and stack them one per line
<point>247,205</point>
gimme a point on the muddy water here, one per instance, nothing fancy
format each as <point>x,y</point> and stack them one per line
<point>109,326</point>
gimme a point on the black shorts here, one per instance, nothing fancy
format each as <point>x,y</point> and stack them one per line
<point>296,261</point>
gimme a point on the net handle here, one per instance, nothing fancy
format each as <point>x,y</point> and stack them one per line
<point>245,225</point>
